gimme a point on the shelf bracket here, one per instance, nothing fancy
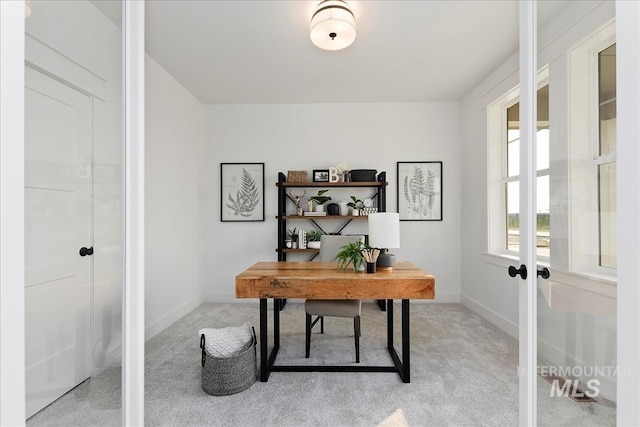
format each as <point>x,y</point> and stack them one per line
<point>318,226</point>
<point>343,226</point>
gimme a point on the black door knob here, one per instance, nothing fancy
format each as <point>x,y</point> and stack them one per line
<point>544,273</point>
<point>86,251</point>
<point>522,271</point>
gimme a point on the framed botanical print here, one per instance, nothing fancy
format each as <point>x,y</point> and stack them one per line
<point>419,191</point>
<point>241,192</point>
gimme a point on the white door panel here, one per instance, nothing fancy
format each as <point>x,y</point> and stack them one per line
<point>49,234</point>
<point>51,315</point>
<point>55,361</point>
<point>58,134</point>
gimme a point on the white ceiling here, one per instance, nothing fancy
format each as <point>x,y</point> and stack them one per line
<point>254,52</point>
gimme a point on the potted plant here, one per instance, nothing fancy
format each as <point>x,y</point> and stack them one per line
<point>351,254</point>
<point>355,204</point>
<point>320,199</point>
<point>293,235</point>
<point>313,239</point>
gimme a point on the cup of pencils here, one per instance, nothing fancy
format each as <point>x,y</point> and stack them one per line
<point>370,256</point>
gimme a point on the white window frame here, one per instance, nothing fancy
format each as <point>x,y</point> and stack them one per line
<point>497,169</point>
<point>601,160</point>
<point>506,179</point>
<point>584,246</point>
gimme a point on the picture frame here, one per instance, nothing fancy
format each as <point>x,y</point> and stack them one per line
<point>321,175</point>
<point>419,191</point>
<point>241,192</point>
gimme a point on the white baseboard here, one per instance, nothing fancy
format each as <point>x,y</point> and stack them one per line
<point>545,348</point>
<point>492,316</point>
<point>443,297</point>
<point>222,297</point>
<point>154,328</point>
<point>556,356</point>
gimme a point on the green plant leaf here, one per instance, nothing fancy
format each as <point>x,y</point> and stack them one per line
<point>351,253</point>
<point>293,234</point>
<point>355,203</point>
<point>320,198</point>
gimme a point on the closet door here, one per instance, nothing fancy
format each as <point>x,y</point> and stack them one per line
<point>58,185</point>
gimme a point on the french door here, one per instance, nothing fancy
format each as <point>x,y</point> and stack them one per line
<point>569,199</point>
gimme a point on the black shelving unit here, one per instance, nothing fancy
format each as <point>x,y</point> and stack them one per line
<point>329,224</point>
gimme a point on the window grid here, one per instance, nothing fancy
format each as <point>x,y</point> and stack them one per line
<point>511,178</point>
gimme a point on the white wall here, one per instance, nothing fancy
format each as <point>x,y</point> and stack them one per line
<point>316,136</point>
<point>174,194</point>
<point>487,289</point>
<point>12,167</point>
<point>92,63</point>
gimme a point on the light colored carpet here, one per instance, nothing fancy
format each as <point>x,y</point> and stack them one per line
<point>463,372</point>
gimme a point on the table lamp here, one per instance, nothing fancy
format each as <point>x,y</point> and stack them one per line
<point>384,233</point>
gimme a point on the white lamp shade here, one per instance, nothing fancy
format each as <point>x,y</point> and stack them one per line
<point>384,230</point>
<point>27,8</point>
<point>333,26</point>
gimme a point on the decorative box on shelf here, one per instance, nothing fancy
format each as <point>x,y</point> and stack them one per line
<point>297,176</point>
<point>367,211</point>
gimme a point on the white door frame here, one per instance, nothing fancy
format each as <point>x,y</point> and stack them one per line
<point>527,286</point>
<point>133,310</point>
<point>628,165</point>
<point>12,277</point>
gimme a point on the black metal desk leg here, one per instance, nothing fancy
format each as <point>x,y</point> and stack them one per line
<point>405,342</point>
<point>389,323</point>
<point>264,368</point>
<point>276,325</point>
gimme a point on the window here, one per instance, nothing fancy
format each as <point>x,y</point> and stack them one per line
<point>503,174</point>
<point>576,161</point>
<point>605,160</point>
<point>592,226</point>
<point>511,176</point>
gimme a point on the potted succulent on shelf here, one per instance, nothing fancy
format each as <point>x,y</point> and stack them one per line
<point>313,239</point>
<point>293,235</point>
<point>355,204</point>
<point>320,200</point>
<point>351,254</point>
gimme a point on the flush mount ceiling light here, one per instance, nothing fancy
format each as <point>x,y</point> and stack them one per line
<point>333,25</point>
<point>27,8</point>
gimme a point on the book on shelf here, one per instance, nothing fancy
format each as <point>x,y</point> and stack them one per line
<point>315,214</point>
<point>302,239</point>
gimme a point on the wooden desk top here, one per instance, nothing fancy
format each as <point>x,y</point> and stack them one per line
<point>323,280</point>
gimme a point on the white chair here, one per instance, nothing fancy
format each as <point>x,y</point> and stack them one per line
<point>330,245</point>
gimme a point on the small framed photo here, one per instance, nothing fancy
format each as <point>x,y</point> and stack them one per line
<point>321,175</point>
<point>419,191</point>
<point>241,192</point>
